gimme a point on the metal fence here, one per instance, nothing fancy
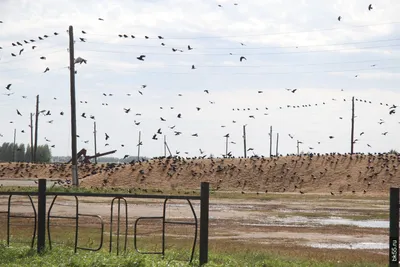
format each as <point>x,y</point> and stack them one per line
<point>394,228</point>
<point>42,218</point>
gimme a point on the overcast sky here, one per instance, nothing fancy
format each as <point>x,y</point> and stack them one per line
<point>287,44</point>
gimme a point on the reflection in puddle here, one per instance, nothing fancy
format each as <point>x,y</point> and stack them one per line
<point>304,221</point>
<point>362,245</point>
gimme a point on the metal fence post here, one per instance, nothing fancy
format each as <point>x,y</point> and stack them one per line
<point>41,216</point>
<point>204,208</point>
<point>394,228</point>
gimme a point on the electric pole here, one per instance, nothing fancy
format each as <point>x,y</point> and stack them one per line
<point>31,126</point>
<point>139,145</point>
<point>352,126</point>
<point>244,140</point>
<point>15,136</point>
<point>165,146</point>
<point>169,151</point>
<point>36,129</point>
<point>270,141</point>
<point>277,143</point>
<point>298,147</point>
<point>74,166</point>
<point>226,145</point>
<point>95,142</point>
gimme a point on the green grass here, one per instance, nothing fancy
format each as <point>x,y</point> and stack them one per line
<point>64,256</point>
<point>213,194</point>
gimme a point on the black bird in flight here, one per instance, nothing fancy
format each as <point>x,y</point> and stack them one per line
<point>8,86</point>
<point>19,113</point>
<point>242,58</point>
<point>107,136</point>
<point>339,18</point>
<point>370,7</point>
<point>141,57</point>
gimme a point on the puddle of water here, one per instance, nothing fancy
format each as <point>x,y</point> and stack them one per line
<point>358,223</point>
<point>361,245</point>
<point>231,207</point>
<point>304,221</point>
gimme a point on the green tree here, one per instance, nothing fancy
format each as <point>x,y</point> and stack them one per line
<point>28,155</point>
<point>20,153</point>
<point>43,154</point>
<point>3,152</point>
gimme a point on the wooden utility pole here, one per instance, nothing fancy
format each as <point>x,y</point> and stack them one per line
<point>298,147</point>
<point>226,145</point>
<point>270,141</point>
<point>15,137</point>
<point>95,141</point>
<point>277,143</point>
<point>244,140</point>
<point>31,125</point>
<point>74,166</point>
<point>169,151</point>
<point>165,146</point>
<point>36,129</point>
<point>139,145</point>
<point>352,126</point>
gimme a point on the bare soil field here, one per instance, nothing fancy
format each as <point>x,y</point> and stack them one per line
<point>314,225</point>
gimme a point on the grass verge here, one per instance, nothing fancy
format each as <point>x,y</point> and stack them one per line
<point>64,256</point>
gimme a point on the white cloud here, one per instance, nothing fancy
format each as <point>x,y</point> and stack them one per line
<point>270,30</point>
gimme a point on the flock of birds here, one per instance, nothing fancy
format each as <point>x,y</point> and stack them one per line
<point>32,43</point>
<point>294,173</point>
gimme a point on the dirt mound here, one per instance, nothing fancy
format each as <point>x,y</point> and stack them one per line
<point>333,174</point>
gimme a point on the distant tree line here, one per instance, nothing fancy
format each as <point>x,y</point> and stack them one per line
<point>21,153</point>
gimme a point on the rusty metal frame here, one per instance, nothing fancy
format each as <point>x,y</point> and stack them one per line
<point>119,223</point>
<point>41,220</point>
<point>164,222</point>
<point>9,216</point>
<point>76,218</point>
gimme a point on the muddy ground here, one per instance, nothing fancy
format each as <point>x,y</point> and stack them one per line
<point>305,222</point>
